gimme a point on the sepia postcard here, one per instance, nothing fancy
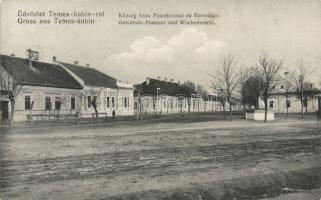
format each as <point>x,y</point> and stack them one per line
<point>160,99</point>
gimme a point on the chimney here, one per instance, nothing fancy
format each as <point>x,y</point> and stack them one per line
<point>54,58</point>
<point>147,80</point>
<point>159,78</point>
<point>172,80</point>
<point>76,62</point>
<point>165,79</point>
<point>179,82</point>
<point>87,65</point>
<point>32,55</point>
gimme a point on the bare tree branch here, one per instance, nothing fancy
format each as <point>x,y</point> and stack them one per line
<point>266,72</point>
<point>226,79</point>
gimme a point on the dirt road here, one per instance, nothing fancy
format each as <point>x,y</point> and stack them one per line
<point>151,161</point>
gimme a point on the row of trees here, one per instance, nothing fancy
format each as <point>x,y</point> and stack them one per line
<point>258,81</point>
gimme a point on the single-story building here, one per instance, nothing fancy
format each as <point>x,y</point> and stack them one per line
<point>286,98</point>
<point>111,96</point>
<point>50,90</point>
<point>42,88</point>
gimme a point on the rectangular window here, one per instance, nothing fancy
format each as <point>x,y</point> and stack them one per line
<point>113,102</point>
<point>89,102</point>
<point>48,103</point>
<point>73,103</point>
<point>271,104</point>
<point>128,102</point>
<point>125,101</point>
<point>57,103</point>
<point>107,102</point>
<point>27,102</point>
<point>288,103</point>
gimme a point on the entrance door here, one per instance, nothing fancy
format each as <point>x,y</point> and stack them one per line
<point>4,110</point>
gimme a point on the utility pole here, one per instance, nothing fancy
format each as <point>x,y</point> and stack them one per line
<point>287,93</point>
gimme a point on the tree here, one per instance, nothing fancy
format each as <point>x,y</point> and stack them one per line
<point>10,88</point>
<point>96,99</point>
<point>190,89</point>
<point>202,94</point>
<point>250,92</point>
<point>226,78</point>
<point>243,76</point>
<point>266,73</point>
<point>301,85</point>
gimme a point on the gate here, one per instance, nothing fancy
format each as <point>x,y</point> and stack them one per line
<point>4,110</point>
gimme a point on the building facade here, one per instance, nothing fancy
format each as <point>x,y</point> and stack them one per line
<point>286,98</point>
<point>57,90</point>
<point>156,96</point>
<point>111,96</point>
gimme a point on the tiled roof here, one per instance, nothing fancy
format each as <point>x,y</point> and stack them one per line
<point>91,76</point>
<point>38,73</point>
<point>168,88</point>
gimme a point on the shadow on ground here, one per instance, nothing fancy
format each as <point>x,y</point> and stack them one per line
<point>245,188</point>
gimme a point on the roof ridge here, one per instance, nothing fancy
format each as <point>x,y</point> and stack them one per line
<point>37,61</point>
<point>85,67</point>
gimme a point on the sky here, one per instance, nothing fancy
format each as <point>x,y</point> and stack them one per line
<point>288,30</point>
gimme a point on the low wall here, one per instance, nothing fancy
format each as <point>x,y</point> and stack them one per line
<point>259,115</point>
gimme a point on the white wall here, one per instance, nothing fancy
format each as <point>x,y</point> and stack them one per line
<point>279,104</point>
<point>38,96</point>
<point>102,105</point>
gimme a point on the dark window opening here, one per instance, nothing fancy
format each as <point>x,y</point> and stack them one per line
<point>73,103</point>
<point>27,103</point>
<point>89,102</point>
<point>48,103</point>
<point>57,103</point>
<point>288,103</point>
<point>125,101</point>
